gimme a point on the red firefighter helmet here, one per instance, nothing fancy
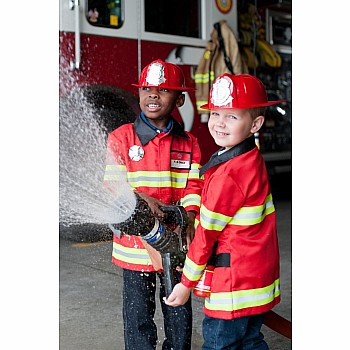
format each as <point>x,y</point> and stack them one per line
<point>162,74</point>
<point>238,91</point>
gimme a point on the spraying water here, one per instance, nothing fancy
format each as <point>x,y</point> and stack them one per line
<point>82,147</point>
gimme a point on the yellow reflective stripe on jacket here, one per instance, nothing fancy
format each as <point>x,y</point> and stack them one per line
<point>157,179</point>
<point>236,300</point>
<point>213,221</point>
<point>196,223</point>
<point>131,255</point>
<point>192,271</point>
<point>253,215</point>
<point>203,78</point>
<point>114,172</point>
<point>243,217</point>
<point>194,172</point>
<point>190,199</point>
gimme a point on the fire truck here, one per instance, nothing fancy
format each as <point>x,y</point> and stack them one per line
<point>104,44</point>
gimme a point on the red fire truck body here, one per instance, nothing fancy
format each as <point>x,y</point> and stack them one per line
<point>108,54</point>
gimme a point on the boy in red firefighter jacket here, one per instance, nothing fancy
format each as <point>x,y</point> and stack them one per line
<point>161,162</point>
<point>237,214</point>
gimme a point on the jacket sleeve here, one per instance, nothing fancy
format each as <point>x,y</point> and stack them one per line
<point>204,76</point>
<point>115,169</point>
<point>233,52</point>
<point>217,210</point>
<point>192,192</point>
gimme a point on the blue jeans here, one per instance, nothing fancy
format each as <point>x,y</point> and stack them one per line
<point>241,333</point>
<point>139,305</point>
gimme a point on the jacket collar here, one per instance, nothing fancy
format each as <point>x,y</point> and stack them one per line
<point>145,133</point>
<point>218,157</point>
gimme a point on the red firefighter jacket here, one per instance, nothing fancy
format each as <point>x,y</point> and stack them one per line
<point>237,212</point>
<point>162,165</point>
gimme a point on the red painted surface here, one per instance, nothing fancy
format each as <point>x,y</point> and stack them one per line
<point>114,62</point>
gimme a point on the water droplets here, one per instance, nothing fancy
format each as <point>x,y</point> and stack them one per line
<point>82,147</point>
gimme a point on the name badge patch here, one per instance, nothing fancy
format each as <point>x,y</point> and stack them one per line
<point>180,160</point>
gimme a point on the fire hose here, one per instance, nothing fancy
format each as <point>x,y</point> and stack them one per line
<point>172,247</point>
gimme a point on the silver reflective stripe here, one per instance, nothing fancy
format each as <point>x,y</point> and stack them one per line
<point>156,179</point>
<point>212,221</point>
<point>245,298</point>
<point>129,255</point>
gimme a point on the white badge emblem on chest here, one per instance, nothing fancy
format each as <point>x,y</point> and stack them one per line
<point>136,153</point>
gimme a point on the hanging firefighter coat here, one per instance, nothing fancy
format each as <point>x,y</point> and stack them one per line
<point>216,61</point>
<point>237,212</point>
<point>162,165</point>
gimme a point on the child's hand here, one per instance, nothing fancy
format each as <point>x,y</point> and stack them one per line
<point>179,269</point>
<point>178,296</point>
<point>154,205</point>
